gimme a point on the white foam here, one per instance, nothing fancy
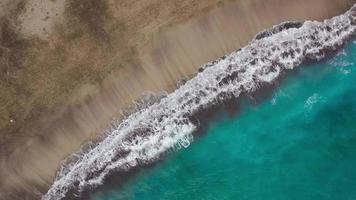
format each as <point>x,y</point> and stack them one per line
<point>312,100</point>
<point>145,135</point>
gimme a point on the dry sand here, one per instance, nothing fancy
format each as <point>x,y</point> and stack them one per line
<point>134,46</point>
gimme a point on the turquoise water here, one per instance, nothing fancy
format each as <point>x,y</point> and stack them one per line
<point>298,144</point>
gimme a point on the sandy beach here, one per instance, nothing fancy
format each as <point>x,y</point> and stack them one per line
<point>75,73</point>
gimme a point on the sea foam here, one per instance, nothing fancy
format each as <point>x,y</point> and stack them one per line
<point>147,134</point>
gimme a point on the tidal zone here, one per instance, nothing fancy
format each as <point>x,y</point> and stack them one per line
<point>146,135</point>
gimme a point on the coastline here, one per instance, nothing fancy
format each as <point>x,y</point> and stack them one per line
<point>85,128</point>
<point>300,100</point>
<point>147,134</point>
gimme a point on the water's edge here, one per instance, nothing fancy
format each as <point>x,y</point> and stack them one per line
<point>297,143</point>
<point>146,135</point>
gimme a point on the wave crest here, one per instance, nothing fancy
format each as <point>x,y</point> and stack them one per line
<point>148,133</point>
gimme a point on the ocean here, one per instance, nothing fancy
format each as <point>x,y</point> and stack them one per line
<point>261,138</point>
<point>298,143</point>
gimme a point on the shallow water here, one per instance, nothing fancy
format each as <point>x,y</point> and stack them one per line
<point>298,144</point>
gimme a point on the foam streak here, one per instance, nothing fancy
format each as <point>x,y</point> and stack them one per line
<point>145,135</point>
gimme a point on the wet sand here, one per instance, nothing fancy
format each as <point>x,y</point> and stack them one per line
<point>174,50</point>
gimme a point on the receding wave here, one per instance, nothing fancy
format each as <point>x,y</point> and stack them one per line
<point>148,133</point>
<point>278,28</point>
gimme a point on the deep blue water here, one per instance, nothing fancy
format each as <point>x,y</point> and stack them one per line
<point>298,144</point>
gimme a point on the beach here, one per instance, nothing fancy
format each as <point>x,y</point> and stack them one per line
<point>296,143</point>
<point>158,50</point>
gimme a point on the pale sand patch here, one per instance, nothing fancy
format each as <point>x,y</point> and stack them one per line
<point>175,52</point>
<point>40,17</point>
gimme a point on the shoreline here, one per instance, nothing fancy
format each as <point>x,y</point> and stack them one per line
<point>202,119</point>
<point>231,107</point>
<point>31,161</point>
<point>146,135</point>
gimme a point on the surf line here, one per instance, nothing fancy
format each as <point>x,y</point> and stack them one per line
<point>144,136</point>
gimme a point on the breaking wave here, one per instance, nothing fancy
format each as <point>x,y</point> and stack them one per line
<point>148,133</point>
